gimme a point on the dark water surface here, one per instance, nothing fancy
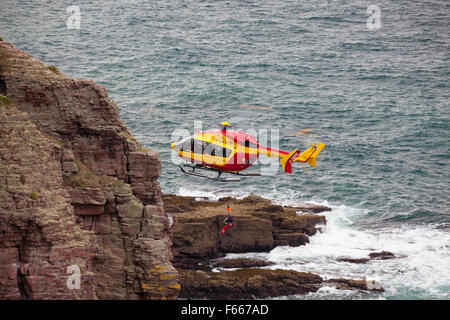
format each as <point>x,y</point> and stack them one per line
<point>379,100</point>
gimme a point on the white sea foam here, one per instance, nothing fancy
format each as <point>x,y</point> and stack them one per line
<point>210,195</point>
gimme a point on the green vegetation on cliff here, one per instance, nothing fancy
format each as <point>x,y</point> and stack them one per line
<point>4,101</point>
<point>84,178</point>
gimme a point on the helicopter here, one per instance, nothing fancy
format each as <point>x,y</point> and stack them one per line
<point>230,151</point>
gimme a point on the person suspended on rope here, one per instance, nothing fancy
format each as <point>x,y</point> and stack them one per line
<point>228,221</point>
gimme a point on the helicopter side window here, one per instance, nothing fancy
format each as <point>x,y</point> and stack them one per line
<point>196,146</point>
<point>224,152</point>
<point>215,150</point>
<point>209,149</point>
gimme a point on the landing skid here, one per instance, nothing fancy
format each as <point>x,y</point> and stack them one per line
<point>219,173</point>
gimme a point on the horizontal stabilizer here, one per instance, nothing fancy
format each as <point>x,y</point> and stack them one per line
<point>310,154</point>
<point>312,159</point>
<point>304,156</point>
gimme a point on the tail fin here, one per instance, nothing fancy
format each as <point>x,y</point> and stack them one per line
<point>310,154</point>
<point>286,161</point>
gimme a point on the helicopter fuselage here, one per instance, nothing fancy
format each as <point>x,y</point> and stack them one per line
<point>232,151</point>
<point>224,150</point>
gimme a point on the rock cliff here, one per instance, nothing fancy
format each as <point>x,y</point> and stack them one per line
<point>76,190</point>
<point>259,226</point>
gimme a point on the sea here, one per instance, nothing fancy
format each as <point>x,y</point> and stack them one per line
<point>370,79</point>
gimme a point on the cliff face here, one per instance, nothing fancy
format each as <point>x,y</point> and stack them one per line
<point>39,235</point>
<point>77,189</point>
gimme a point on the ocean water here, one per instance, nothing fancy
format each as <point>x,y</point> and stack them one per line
<point>379,99</point>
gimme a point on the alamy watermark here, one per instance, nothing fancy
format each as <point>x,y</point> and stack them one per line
<point>373,285</point>
<point>74,20</point>
<point>74,280</point>
<point>374,19</point>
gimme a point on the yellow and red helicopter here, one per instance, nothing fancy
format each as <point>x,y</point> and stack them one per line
<point>231,151</point>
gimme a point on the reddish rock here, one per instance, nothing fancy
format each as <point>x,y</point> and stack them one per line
<point>88,210</point>
<point>35,247</point>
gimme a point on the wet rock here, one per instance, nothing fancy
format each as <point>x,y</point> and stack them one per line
<point>383,255</point>
<point>291,239</point>
<point>313,208</point>
<point>352,260</point>
<point>242,263</point>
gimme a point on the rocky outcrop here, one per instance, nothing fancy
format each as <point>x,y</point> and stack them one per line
<point>246,283</point>
<point>259,225</point>
<point>258,283</point>
<point>77,189</point>
<point>242,263</point>
<point>382,255</point>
